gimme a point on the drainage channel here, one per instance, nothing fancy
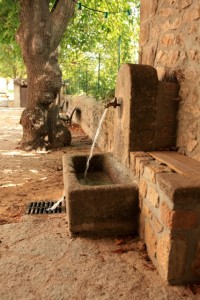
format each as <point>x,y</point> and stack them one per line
<point>35,208</point>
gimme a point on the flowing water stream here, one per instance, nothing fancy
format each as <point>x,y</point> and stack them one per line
<point>94,141</point>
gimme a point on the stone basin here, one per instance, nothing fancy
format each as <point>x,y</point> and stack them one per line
<point>108,206</point>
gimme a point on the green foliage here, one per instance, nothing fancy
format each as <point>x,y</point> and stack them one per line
<point>93,47</point>
<point>11,63</point>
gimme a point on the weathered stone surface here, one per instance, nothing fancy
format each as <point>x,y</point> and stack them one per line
<point>158,227</point>
<point>152,196</point>
<point>168,39</point>
<point>163,253</point>
<point>184,3</point>
<point>144,34</point>
<point>177,260</point>
<point>176,24</point>
<point>173,44</point>
<point>140,164</point>
<point>146,211</point>
<point>196,263</point>
<point>100,209</point>
<point>166,12</point>
<point>136,87</point>
<point>180,190</point>
<point>191,145</point>
<point>142,188</point>
<point>179,219</point>
<point>151,241</point>
<point>152,169</point>
<point>133,156</point>
<point>193,14</point>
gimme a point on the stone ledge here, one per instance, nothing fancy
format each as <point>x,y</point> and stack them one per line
<point>169,219</point>
<point>179,189</point>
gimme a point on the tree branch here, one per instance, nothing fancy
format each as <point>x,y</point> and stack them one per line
<point>59,19</point>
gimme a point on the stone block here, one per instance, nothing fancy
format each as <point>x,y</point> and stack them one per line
<point>163,253</point>
<point>179,40</point>
<point>150,240</point>
<point>133,156</point>
<point>183,4</point>
<point>196,262</point>
<point>168,39</point>
<point>166,26</point>
<point>180,190</point>
<point>159,55</point>
<point>166,12</point>
<point>146,211</point>
<point>179,219</point>
<point>152,169</point>
<point>192,14</point>
<point>144,34</point>
<point>148,54</point>
<point>175,24</point>
<point>152,196</point>
<point>142,188</point>
<point>140,164</point>
<point>177,260</point>
<point>148,9</point>
<point>191,145</point>
<point>191,73</point>
<point>156,224</point>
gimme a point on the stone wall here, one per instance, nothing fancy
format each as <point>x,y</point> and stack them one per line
<point>169,218</point>
<point>88,115</point>
<point>170,41</point>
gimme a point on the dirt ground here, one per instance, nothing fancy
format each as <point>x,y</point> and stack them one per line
<point>30,176</point>
<point>38,259</point>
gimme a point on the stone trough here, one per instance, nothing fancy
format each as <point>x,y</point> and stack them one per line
<point>107,206</point>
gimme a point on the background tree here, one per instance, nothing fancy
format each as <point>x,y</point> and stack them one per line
<point>94,46</point>
<point>41,29</point>
<point>88,54</point>
<point>11,62</point>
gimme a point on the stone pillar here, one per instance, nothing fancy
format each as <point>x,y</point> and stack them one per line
<point>135,119</point>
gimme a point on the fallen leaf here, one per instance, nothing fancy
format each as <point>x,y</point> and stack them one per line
<point>119,242</point>
<point>194,288</point>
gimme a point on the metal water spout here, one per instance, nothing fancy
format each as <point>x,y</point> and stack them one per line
<point>113,103</point>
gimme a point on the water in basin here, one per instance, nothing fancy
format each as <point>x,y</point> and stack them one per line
<point>94,178</point>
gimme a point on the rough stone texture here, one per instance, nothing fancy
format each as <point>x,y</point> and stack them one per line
<point>104,209</point>
<point>196,262</point>
<point>145,119</point>
<point>88,115</point>
<point>135,124</point>
<point>169,41</point>
<point>169,218</point>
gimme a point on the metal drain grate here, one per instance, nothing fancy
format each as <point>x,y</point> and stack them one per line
<point>34,208</point>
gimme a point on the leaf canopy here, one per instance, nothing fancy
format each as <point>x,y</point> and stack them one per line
<point>91,50</point>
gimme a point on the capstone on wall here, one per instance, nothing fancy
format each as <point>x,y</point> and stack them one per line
<point>170,42</point>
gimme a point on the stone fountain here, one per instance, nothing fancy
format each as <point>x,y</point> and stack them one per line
<point>111,207</point>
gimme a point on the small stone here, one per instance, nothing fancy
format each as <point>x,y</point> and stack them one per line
<point>168,39</point>
<point>192,145</point>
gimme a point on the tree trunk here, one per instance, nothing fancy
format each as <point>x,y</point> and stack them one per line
<point>39,35</point>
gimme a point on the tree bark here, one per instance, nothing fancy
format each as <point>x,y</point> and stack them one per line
<point>39,35</point>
